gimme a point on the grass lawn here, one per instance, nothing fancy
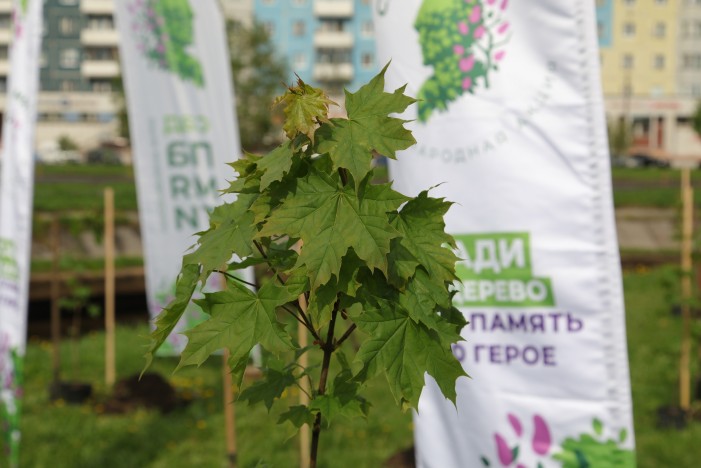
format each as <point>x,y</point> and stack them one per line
<point>57,435</point>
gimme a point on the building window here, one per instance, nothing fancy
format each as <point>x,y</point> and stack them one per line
<point>367,29</point>
<point>68,2</point>
<point>691,61</point>
<point>4,52</point>
<point>67,85</point>
<point>660,30</point>
<point>299,61</point>
<point>69,58</point>
<point>269,28</point>
<point>660,2</point>
<point>659,62</point>
<point>367,60</point>
<point>67,26</point>
<point>5,22</point>
<point>629,2</point>
<point>696,90</point>
<point>100,53</point>
<point>102,86</point>
<point>696,29</point>
<point>298,28</point>
<point>268,2</point>
<point>299,3</point>
<point>3,84</point>
<point>101,22</point>
<point>628,61</point>
<point>629,29</point>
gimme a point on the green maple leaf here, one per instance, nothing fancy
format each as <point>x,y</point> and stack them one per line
<point>423,236</point>
<point>350,142</point>
<point>322,299</point>
<point>298,415</point>
<point>169,317</point>
<point>275,164</point>
<point>331,218</point>
<point>239,319</point>
<point>231,231</point>
<point>341,399</point>
<point>404,350</point>
<point>305,108</point>
<point>270,388</point>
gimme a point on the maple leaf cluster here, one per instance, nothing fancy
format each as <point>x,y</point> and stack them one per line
<point>365,259</point>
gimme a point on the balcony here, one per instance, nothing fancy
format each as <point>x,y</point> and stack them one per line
<point>333,40</point>
<point>99,37</point>
<point>333,72</point>
<point>333,8</point>
<point>100,68</point>
<point>96,7</point>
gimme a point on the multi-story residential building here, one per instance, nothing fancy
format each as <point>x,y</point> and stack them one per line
<point>648,53</point>
<point>79,65</point>
<point>79,68</point>
<point>329,43</point>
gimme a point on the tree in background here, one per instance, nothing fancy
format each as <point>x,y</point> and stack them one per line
<point>259,75</point>
<point>66,143</point>
<point>620,137</point>
<point>122,111</point>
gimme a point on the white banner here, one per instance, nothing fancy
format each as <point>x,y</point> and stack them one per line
<point>511,123</point>
<point>16,196</point>
<point>183,128</point>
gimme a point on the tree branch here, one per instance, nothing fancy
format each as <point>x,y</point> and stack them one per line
<point>345,336</point>
<point>234,277</point>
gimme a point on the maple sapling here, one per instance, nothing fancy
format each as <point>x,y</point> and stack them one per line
<point>373,263</point>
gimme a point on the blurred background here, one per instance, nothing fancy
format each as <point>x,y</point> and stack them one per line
<point>650,56</point>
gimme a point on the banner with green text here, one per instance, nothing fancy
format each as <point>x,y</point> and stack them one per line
<point>183,128</point>
<point>16,197</point>
<point>510,126</point>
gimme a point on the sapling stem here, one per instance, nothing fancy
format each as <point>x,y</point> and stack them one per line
<point>328,348</point>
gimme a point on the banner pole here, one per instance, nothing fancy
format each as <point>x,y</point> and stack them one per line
<point>110,367</point>
<point>686,261</point>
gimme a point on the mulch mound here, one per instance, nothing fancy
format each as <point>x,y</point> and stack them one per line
<point>151,391</point>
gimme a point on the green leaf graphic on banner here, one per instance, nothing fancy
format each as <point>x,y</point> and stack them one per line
<point>164,30</point>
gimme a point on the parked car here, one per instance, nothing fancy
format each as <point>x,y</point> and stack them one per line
<point>645,160</point>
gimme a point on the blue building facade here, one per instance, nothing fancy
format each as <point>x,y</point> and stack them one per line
<point>328,43</point>
<point>604,22</point>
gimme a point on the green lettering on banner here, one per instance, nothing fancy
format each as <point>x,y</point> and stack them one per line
<point>496,270</point>
<point>9,270</point>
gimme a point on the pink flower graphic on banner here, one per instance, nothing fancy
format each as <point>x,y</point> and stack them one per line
<point>586,451</point>
<point>541,436</point>
<point>458,40</point>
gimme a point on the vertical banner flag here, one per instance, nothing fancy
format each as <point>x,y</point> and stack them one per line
<point>510,126</point>
<point>16,195</point>
<point>183,127</point>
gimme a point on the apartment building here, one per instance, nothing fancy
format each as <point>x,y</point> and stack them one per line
<point>79,64</point>
<point>328,43</point>
<point>651,71</point>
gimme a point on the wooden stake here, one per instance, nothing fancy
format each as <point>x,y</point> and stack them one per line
<point>229,412</point>
<point>110,366</point>
<point>304,441</point>
<point>55,293</point>
<point>686,253</point>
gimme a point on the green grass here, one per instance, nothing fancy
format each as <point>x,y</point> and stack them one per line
<point>653,342</point>
<point>72,196</point>
<point>56,435</point>
<point>73,170</point>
